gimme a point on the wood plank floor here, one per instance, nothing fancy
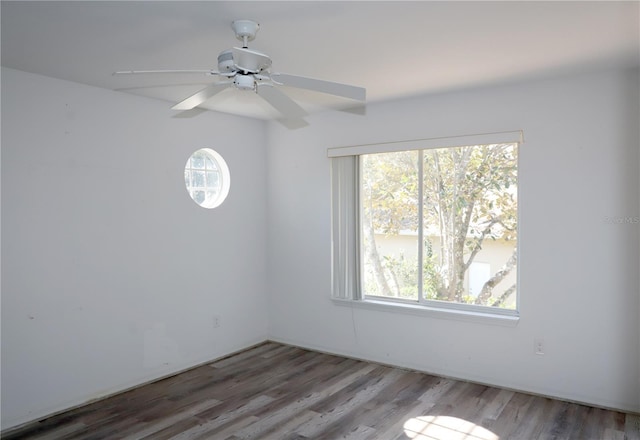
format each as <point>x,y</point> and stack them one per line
<point>279,392</point>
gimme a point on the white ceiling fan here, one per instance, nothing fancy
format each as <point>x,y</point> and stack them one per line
<point>249,70</point>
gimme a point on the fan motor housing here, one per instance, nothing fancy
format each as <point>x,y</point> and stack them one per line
<point>225,61</point>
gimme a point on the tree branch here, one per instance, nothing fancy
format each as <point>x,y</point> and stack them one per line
<point>479,241</point>
<point>485,293</point>
<point>507,293</point>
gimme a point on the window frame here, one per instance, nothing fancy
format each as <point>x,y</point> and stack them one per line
<point>347,241</point>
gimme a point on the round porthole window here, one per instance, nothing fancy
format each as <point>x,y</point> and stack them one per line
<point>207,178</point>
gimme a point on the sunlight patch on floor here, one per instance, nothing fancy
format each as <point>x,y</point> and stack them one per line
<point>445,428</point>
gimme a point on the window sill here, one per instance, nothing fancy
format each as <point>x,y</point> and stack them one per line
<point>423,310</point>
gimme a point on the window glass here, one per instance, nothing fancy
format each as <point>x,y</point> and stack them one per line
<point>440,225</point>
<point>389,198</point>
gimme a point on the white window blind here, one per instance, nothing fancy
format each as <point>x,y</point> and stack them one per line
<point>344,232</point>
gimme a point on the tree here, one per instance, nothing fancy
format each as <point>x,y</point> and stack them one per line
<point>468,196</point>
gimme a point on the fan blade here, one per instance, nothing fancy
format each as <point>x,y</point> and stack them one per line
<point>249,60</point>
<point>185,114</point>
<point>293,124</point>
<point>281,102</point>
<point>201,96</point>
<point>318,85</point>
<point>137,72</point>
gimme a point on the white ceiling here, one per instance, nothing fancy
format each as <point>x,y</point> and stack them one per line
<point>394,49</point>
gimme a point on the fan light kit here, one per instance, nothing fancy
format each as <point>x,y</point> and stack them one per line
<point>245,69</point>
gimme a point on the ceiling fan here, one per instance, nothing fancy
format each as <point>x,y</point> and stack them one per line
<point>249,70</point>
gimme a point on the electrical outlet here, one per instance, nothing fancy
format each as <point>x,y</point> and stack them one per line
<point>538,346</point>
<point>216,321</point>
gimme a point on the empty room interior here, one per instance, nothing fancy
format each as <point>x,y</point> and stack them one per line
<point>279,220</point>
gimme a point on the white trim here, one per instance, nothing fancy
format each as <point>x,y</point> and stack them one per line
<point>505,137</point>
<point>441,312</point>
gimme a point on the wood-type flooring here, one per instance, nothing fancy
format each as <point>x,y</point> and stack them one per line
<point>279,392</point>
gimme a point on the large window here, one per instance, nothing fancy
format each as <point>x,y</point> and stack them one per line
<point>435,226</point>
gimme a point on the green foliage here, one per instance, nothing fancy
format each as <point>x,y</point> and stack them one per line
<point>390,187</point>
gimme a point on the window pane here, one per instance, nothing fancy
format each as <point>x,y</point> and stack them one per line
<point>212,179</point>
<point>198,196</point>
<point>197,161</point>
<point>470,224</point>
<point>389,197</point>
<point>209,163</point>
<point>198,178</point>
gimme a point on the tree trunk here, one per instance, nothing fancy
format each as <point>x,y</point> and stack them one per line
<point>374,258</point>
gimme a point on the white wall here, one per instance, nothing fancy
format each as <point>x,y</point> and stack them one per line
<point>111,274</point>
<point>579,282</point>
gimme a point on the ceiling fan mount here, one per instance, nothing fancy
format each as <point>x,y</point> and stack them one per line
<point>245,30</point>
<point>246,69</point>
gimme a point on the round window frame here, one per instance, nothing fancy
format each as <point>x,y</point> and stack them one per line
<point>225,179</point>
